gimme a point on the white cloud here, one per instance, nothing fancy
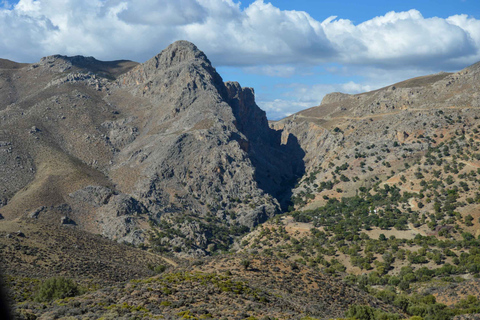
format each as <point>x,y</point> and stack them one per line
<point>281,71</point>
<point>404,38</point>
<point>280,108</point>
<point>315,93</point>
<point>5,4</point>
<point>259,34</point>
<point>168,13</point>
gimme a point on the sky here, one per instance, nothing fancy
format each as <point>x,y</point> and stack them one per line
<point>291,52</point>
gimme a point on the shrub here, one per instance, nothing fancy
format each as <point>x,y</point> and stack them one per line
<point>160,268</point>
<point>361,312</point>
<point>246,263</point>
<point>57,288</point>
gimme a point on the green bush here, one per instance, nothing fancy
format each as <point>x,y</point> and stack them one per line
<point>368,313</point>
<point>361,312</point>
<point>57,288</point>
<point>246,263</point>
<point>160,268</point>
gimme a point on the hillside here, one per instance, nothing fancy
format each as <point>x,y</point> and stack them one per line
<point>369,137</point>
<point>216,288</point>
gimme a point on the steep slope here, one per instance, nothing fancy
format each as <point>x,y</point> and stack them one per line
<point>32,251</point>
<point>122,148</point>
<point>371,134</point>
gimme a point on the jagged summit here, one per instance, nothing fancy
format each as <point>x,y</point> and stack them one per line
<point>178,52</point>
<point>181,58</point>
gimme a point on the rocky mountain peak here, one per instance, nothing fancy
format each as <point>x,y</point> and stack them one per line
<point>164,145</point>
<point>78,61</point>
<point>177,53</point>
<point>106,69</point>
<point>181,56</point>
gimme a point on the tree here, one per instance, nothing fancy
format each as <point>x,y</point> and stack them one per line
<point>57,288</point>
<point>468,220</point>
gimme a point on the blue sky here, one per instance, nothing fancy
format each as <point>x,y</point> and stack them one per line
<point>359,11</point>
<point>291,52</point>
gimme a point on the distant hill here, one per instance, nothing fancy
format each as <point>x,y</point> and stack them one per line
<point>398,124</point>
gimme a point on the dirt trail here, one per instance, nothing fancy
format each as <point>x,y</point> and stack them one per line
<point>170,261</point>
<point>470,164</point>
<point>379,115</point>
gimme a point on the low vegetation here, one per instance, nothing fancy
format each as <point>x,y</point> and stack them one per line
<point>57,288</point>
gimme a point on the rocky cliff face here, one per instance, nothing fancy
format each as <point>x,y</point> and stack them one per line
<point>124,148</point>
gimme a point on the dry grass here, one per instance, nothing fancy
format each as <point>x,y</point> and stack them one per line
<point>57,175</point>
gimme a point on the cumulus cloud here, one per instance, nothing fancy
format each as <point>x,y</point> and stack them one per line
<point>168,13</point>
<point>405,38</point>
<point>279,108</point>
<point>259,34</point>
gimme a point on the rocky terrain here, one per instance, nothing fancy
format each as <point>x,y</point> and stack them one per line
<point>163,151</point>
<point>39,251</point>
<point>390,198</point>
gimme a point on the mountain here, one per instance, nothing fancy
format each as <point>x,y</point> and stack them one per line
<point>162,151</point>
<point>372,135</point>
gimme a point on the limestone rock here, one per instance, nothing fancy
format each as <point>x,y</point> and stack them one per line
<point>93,195</point>
<point>375,134</point>
<point>129,147</point>
<point>66,221</point>
<point>35,213</point>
